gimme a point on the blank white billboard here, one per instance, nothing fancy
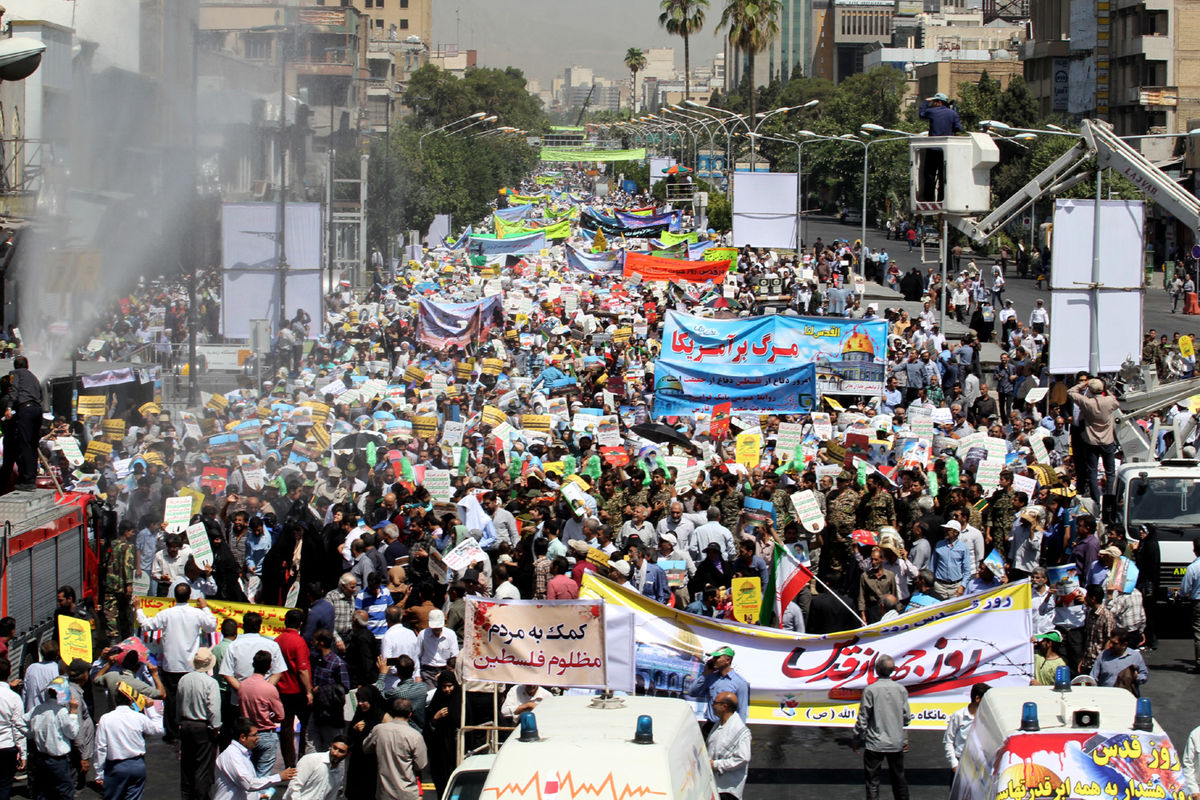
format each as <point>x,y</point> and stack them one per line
<point>764,209</point>
<point>1122,223</point>
<point>250,264</point>
<point>1071,325</point>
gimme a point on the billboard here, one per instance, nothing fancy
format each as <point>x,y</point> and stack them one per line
<point>764,209</point>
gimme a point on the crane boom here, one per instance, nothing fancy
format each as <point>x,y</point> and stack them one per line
<point>1098,141</point>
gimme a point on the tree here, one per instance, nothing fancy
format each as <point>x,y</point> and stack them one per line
<point>977,101</point>
<point>683,18</point>
<point>1016,106</point>
<point>635,62</point>
<point>750,26</point>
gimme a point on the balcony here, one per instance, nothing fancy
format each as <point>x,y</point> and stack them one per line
<point>1154,47</point>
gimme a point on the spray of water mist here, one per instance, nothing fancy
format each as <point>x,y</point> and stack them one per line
<point>120,185</point>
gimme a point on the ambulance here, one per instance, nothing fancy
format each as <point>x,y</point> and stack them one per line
<point>580,747</point>
<point>1066,742</point>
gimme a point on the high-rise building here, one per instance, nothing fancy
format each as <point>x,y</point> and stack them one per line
<point>794,45</point>
<point>397,19</point>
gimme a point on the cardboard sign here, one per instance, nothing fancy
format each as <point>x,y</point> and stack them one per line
<point>97,448</point>
<point>70,448</point>
<point>453,432</point>
<point>537,422</point>
<point>177,514</point>
<point>749,449</point>
<point>213,479</point>
<point>414,374</point>
<point>113,428</point>
<point>437,483</point>
<point>425,427</point>
<point>808,511</point>
<point>464,554</point>
<point>74,639</point>
<point>747,599</point>
<point>492,366</point>
<point>201,548</point>
<point>493,416</point>
<point>91,405</point>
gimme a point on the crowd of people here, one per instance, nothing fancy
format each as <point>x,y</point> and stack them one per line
<point>324,490</point>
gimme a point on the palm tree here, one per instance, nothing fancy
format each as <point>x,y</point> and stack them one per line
<point>683,18</point>
<point>751,26</point>
<point>635,62</point>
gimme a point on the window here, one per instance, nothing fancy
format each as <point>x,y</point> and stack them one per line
<point>379,24</point>
<point>258,46</point>
<point>404,3</point>
<point>370,3</point>
<point>403,24</point>
<point>379,3</point>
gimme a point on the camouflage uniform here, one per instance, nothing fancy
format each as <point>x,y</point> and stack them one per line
<point>731,508</point>
<point>841,517</point>
<point>122,563</point>
<point>1150,354</point>
<point>877,510</point>
<point>783,508</point>
<point>1000,515</point>
<point>663,496</point>
<point>615,506</point>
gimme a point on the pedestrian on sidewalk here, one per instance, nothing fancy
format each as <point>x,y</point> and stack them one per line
<point>729,747</point>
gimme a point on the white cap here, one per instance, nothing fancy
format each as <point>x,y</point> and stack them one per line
<point>437,620</point>
<point>952,525</point>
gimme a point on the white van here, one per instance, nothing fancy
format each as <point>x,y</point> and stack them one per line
<point>1047,743</point>
<point>1167,496</point>
<point>590,747</point>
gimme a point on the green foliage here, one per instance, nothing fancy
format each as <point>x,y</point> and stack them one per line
<point>720,212</point>
<point>438,98</point>
<point>682,18</point>
<point>978,101</point>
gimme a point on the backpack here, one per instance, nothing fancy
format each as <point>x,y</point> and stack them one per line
<point>329,703</point>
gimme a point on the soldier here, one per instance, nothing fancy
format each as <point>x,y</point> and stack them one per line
<point>781,499</point>
<point>660,495</point>
<point>1150,354</point>
<point>732,501</point>
<point>841,512</point>
<point>1000,513</point>
<point>612,502</point>
<point>877,508</point>
<point>118,580</point>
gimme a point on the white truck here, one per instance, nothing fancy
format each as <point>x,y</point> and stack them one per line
<point>594,747</point>
<point>1165,495</point>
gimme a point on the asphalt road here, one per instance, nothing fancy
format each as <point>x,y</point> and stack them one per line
<point>1156,305</point>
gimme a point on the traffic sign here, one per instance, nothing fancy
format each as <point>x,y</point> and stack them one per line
<point>1196,251</point>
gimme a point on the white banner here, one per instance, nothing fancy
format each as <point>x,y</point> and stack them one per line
<point>940,652</point>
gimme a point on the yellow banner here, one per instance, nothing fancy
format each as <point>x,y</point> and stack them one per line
<point>425,427</point>
<point>223,610</point>
<point>493,416</point>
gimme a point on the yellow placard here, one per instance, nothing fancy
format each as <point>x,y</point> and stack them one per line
<point>462,370</point>
<point>272,616</point>
<point>425,427</point>
<point>622,335</point>
<point>74,639</point>
<point>414,374</point>
<point>150,409</point>
<point>1186,348</point>
<point>114,428</point>
<point>493,416</point>
<point>543,252</point>
<point>91,405</point>
<point>197,498</point>
<point>749,449</point>
<point>97,448</point>
<point>218,402</point>
<point>537,422</point>
<point>747,599</point>
<point>154,457</point>
<point>319,435</point>
<point>492,366</point>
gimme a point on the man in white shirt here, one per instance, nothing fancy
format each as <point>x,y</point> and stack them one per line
<point>709,532</point>
<point>1039,318</point>
<point>505,590</point>
<point>236,777</point>
<point>169,563</point>
<point>238,662</point>
<point>12,730</point>
<point>38,676</point>
<point>502,519</point>
<point>181,626</point>
<point>959,727</point>
<point>437,645</point>
<point>121,745</point>
<point>522,698</point>
<point>397,640</point>
<point>319,776</point>
<point>729,747</point>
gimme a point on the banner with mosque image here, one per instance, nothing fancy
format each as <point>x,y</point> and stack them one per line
<point>848,356</point>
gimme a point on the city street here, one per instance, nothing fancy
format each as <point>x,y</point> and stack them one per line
<point>1156,305</point>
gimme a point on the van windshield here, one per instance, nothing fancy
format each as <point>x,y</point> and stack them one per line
<point>467,786</point>
<point>1164,501</point>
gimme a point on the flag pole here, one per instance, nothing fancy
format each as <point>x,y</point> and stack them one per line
<point>836,596</point>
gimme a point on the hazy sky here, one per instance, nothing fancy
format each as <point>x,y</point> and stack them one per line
<point>543,37</point>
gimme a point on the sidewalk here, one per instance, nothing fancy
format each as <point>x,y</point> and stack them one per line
<point>954,330</point>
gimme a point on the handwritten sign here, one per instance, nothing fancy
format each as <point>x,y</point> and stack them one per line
<point>544,642</point>
<point>70,448</point>
<point>437,483</point>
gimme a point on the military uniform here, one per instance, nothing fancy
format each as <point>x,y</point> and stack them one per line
<point>877,510</point>
<point>118,614</point>
<point>1150,352</point>
<point>663,497</point>
<point>615,506</point>
<point>783,508</point>
<point>841,518</point>
<point>731,508</point>
<point>1000,515</point>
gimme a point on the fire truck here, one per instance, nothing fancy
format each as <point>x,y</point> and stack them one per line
<point>49,540</point>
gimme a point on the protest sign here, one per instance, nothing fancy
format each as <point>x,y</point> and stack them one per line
<point>788,439</point>
<point>464,554</point>
<point>452,432</point>
<point>749,449</point>
<point>70,448</point>
<point>177,514</point>
<point>437,483</point>
<point>91,405</point>
<point>808,511</point>
<point>197,536</point>
<point>74,639</point>
<point>543,642</point>
<point>797,679</point>
<point>747,598</point>
<point>272,616</point>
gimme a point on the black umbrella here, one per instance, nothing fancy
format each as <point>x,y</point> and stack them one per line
<point>663,434</point>
<point>359,440</point>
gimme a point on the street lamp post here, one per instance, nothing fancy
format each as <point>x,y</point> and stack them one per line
<point>421,142</point>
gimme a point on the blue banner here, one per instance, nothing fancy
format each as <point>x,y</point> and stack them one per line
<point>849,356</point>
<point>608,263</point>
<point>441,324</point>
<point>684,389</point>
<point>633,221</point>
<point>696,251</point>
<point>515,213</point>
<point>482,245</point>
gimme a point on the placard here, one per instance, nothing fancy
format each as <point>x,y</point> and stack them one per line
<point>493,416</point>
<point>808,511</point>
<point>425,427</point>
<point>74,639</point>
<point>749,449</point>
<point>452,432</point>
<point>543,642</point>
<point>177,514</point>
<point>201,548</point>
<point>70,448</point>
<point>91,405</point>
<point>747,599</point>
<point>464,554</point>
<point>437,483</point>
<point>97,448</point>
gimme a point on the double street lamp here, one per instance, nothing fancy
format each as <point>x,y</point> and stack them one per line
<point>477,116</point>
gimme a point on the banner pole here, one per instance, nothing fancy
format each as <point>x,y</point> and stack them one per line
<point>836,596</point>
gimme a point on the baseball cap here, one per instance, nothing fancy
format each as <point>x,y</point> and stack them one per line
<point>953,525</point>
<point>939,96</point>
<point>722,651</point>
<point>1053,636</point>
<point>437,620</point>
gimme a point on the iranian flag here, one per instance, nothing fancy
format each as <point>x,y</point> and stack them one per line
<point>788,577</point>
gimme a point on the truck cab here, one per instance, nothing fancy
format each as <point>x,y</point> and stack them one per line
<point>591,747</point>
<point>1166,496</point>
<point>1042,742</point>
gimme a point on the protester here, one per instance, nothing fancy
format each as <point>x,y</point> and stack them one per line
<point>883,713</point>
<point>954,740</point>
<point>729,747</point>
